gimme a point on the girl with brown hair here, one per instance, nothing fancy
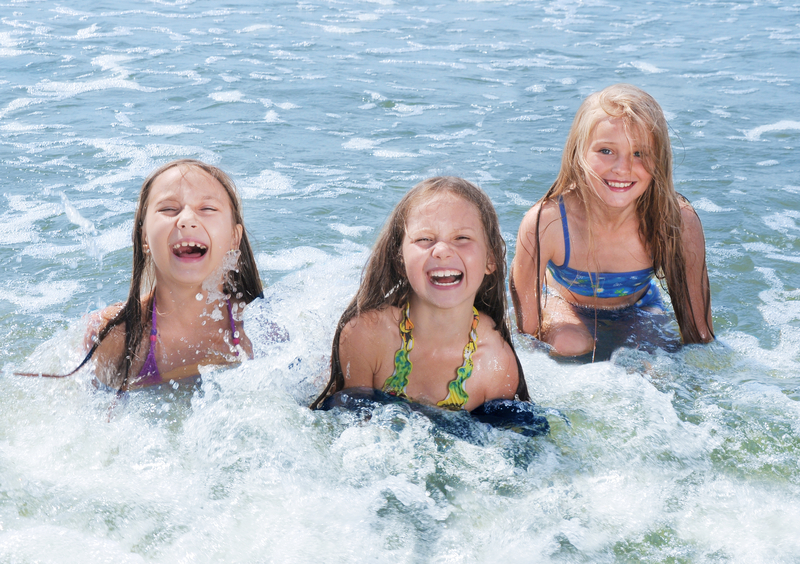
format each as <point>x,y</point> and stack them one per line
<point>193,274</point>
<point>433,284</point>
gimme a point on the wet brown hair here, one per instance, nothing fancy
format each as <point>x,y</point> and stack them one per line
<point>384,282</point>
<point>243,283</point>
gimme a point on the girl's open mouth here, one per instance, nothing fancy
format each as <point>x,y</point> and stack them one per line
<point>446,277</point>
<point>618,185</point>
<point>189,249</point>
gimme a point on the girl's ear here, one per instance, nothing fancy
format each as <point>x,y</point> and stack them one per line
<point>490,265</point>
<point>237,235</point>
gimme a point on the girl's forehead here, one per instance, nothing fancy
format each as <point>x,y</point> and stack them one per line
<point>618,129</point>
<point>180,181</point>
<point>441,201</point>
<point>444,208</point>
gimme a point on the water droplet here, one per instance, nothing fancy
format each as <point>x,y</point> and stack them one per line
<point>199,296</point>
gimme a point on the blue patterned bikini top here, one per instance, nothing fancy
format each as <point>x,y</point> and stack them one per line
<point>607,284</point>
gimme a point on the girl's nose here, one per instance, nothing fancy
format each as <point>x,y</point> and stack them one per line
<point>623,163</point>
<point>441,250</point>
<point>187,218</point>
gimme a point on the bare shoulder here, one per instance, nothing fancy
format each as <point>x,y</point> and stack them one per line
<point>692,228</point>
<point>371,326</point>
<point>545,215</point>
<point>497,362</point>
<point>108,354</point>
<point>544,212</point>
<point>366,346</point>
<point>97,320</point>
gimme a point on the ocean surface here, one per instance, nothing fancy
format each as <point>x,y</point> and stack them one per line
<point>325,113</point>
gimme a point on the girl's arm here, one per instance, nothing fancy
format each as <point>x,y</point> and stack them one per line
<point>108,353</point>
<point>504,379</point>
<point>359,350</point>
<point>530,254</point>
<point>694,253</point>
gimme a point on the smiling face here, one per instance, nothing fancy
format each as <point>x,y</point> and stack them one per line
<point>616,161</point>
<point>445,251</point>
<point>188,226</point>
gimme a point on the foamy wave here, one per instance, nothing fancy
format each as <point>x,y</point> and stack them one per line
<point>70,89</point>
<point>359,144</point>
<point>386,154</point>
<point>350,231</point>
<point>707,205</point>
<point>290,259</point>
<point>269,182</point>
<point>447,136</point>
<point>29,298</point>
<point>646,67</point>
<point>230,96</point>
<point>783,125</point>
<point>258,27</point>
<point>171,129</point>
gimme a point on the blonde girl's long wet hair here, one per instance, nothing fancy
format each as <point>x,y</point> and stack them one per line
<point>244,283</point>
<point>658,209</point>
<point>384,282</point>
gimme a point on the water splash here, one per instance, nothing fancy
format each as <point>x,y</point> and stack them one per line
<point>214,285</point>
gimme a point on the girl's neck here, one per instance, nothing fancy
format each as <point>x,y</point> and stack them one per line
<point>181,303</point>
<point>445,326</point>
<point>605,218</point>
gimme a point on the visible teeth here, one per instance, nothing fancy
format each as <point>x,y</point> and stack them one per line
<point>619,184</point>
<point>189,244</point>
<point>444,273</point>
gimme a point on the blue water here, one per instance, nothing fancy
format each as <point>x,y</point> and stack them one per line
<point>325,113</point>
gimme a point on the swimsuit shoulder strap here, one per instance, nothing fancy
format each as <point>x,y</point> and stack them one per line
<point>457,396</point>
<point>397,383</point>
<point>565,228</point>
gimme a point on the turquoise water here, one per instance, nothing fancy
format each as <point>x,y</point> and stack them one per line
<point>325,112</point>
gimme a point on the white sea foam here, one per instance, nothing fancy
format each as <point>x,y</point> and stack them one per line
<point>70,89</point>
<point>360,144</point>
<point>230,96</point>
<point>388,154</point>
<point>706,205</point>
<point>783,125</point>
<point>351,230</point>
<point>39,296</point>
<point>168,130</point>
<point>269,182</point>
<point>646,67</point>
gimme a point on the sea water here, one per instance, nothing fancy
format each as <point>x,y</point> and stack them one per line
<point>325,112</point>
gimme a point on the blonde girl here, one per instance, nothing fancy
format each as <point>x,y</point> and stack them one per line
<point>609,226</point>
<point>428,322</point>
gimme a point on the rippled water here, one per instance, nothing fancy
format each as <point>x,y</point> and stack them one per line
<point>325,113</point>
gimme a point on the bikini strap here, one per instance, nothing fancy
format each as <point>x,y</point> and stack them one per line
<point>565,229</point>
<point>153,330</point>
<point>396,383</point>
<point>457,396</point>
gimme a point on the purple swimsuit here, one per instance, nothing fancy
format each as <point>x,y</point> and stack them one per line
<point>149,374</point>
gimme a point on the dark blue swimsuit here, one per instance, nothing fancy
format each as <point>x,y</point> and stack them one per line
<point>603,284</point>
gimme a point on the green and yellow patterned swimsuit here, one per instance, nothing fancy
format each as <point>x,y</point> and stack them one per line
<point>396,384</point>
